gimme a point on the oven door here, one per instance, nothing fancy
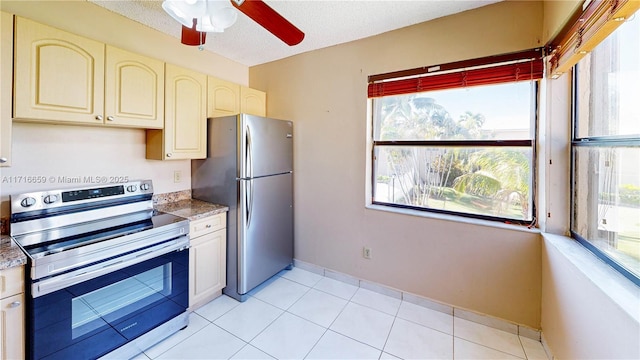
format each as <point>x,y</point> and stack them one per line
<point>92,318</point>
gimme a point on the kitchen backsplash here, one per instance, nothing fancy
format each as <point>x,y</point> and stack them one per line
<point>159,199</point>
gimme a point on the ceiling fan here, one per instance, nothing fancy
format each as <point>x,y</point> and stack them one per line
<point>201,16</point>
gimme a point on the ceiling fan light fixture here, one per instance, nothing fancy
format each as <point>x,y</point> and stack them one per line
<point>218,16</point>
<point>178,10</point>
<point>212,15</point>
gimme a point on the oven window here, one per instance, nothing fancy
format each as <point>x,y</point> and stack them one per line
<point>126,296</point>
<point>89,319</point>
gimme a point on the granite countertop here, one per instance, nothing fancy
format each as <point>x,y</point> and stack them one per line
<point>10,253</point>
<point>191,209</point>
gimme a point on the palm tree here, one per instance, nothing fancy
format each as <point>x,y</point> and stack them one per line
<point>503,174</point>
<point>412,117</point>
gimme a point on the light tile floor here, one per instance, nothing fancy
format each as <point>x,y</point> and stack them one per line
<point>302,315</point>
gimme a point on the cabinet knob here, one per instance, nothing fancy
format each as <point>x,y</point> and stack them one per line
<point>168,154</point>
<point>3,160</point>
<point>99,117</point>
<point>208,226</point>
<point>15,304</point>
<point>110,118</point>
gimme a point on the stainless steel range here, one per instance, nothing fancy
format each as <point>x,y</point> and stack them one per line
<point>107,276</point>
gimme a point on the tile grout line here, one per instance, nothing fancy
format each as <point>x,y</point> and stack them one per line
<point>180,342</point>
<point>323,272</point>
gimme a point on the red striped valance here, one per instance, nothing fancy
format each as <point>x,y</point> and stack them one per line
<point>528,69</point>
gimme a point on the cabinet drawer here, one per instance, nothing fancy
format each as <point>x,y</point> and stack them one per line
<point>11,281</point>
<point>207,225</point>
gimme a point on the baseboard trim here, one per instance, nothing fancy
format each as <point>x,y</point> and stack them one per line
<point>462,313</point>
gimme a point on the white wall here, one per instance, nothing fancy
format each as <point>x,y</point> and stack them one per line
<point>56,152</point>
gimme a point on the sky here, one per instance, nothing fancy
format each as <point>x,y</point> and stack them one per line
<point>505,106</point>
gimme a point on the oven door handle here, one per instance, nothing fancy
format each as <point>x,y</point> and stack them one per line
<point>62,281</point>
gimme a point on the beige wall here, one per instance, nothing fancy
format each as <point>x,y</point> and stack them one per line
<point>56,151</point>
<point>485,269</point>
<point>556,14</point>
<point>588,311</point>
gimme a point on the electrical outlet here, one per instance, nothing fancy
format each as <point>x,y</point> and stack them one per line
<point>366,252</point>
<point>177,176</point>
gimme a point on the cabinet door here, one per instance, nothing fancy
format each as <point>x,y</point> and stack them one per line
<point>223,97</point>
<point>253,102</point>
<point>11,281</point>
<point>207,267</point>
<point>6,69</point>
<point>12,327</point>
<point>58,76</point>
<point>185,114</point>
<point>134,90</point>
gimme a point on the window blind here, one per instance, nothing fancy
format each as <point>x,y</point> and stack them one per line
<point>522,66</point>
<point>595,21</point>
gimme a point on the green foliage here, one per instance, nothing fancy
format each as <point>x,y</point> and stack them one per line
<point>628,195</point>
<point>478,183</point>
<point>495,179</point>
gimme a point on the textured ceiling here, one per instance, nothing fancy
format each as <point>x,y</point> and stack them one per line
<point>325,23</point>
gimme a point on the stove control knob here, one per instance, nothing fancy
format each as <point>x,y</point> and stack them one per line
<point>144,187</point>
<point>132,188</point>
<point>50,199</point>
<point>28,201</point>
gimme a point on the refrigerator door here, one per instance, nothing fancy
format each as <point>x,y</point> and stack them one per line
<point>265,229</point>
<point>266,146</point>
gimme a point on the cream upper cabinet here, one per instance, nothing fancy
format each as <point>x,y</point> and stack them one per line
<point>207,259</point>
<point>253,101</point>
<point>6,69</point>
<point>223,97</point>
<point>134,90</point>
<point>58,76</point>
<point>184,134</point>
<point>12,313</point>
<point>65,78</point>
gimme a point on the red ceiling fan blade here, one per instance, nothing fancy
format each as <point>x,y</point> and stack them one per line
<point>269,19</point>
<point>191,36</point>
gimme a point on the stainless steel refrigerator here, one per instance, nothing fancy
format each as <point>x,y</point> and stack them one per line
<point>249,167</point>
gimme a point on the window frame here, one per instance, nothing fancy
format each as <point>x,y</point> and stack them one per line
<point>611,142</point>
<point>460,66</point>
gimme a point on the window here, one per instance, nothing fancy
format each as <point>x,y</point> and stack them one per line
<point>460,140</point>
<point>606,150</point>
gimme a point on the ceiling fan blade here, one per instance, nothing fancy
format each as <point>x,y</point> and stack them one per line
<point>269,19</point>
<point>191,36</point>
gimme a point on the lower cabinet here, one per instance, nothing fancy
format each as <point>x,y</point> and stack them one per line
<point>207,259</point>
<point>12,313</point>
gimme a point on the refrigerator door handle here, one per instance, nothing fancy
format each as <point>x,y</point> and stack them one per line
<point>248,154</point>
<point>249,174</point>
<point>249,200</point>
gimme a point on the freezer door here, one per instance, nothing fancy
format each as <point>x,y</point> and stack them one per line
<point>266,146</point>
<point>265,229</point>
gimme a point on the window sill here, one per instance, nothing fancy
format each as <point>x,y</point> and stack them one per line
<point>453,218</point>
<point>621,291</point>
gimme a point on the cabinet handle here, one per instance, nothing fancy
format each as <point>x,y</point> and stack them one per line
<point>3,160</point>
<point>110,118</point>
<point>15,304</point>
<point>168,154</point>
<point>99,117</point>
<point>208,226</point>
